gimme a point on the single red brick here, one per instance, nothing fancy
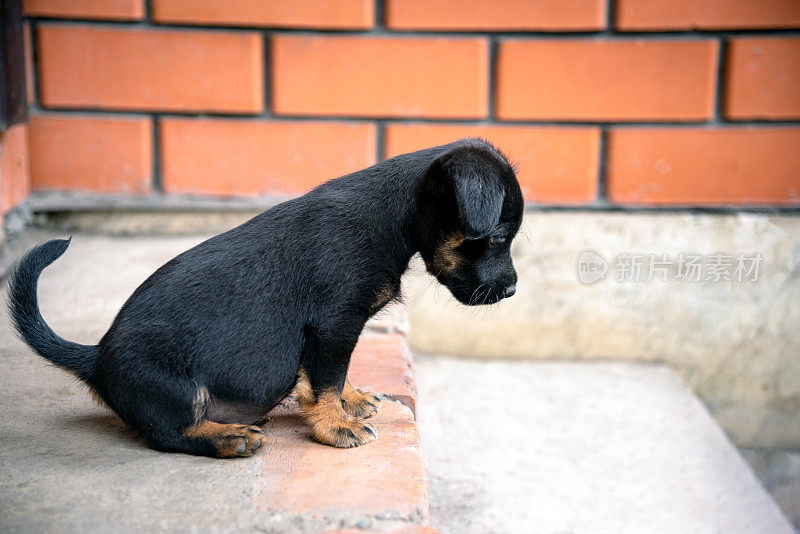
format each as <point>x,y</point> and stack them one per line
<point>331,14</point>
<point>606,80</point>
<point>90,153</point>
<point>558,165</point>
<point>382,363</point>
<point>300,477</point>
<point>380,76</point>
<point>704,166</point>
<point>250,157</point>
<point>14,171</point>
<point>644,15</point>
<point>86,9</point>
<point>508,15</point>
<point>763,79</point>
<point>168,70</point>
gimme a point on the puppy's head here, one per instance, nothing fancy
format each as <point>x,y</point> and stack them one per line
<point>473,209</point>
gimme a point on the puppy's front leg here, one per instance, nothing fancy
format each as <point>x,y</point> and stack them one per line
<point>320,385</point>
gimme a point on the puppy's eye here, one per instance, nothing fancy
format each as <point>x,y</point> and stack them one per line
<point>496,240</point>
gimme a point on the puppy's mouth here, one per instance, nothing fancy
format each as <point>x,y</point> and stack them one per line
<point>484,299</point>
<point>469,295</point>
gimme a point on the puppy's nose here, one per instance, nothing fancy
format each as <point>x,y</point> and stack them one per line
<point>510,290</point>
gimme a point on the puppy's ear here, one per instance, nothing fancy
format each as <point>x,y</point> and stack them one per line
<point>479,204</point>
<point>478,193</point>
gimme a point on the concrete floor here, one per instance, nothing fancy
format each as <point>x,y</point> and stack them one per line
<point>511,447</point>
<point>62,454</point>
<point>527,447</point>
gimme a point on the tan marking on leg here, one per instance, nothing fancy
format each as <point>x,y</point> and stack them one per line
<point>228,440</point>
<point>445,257</point>
<point>200,404</point>
<point>382,297</point>
<point>305,395</point>
<point>359,404</point>
<point>331,425</point>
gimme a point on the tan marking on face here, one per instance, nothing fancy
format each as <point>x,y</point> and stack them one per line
<point>229,440</point>
<point>331,425</point>
<point>445,257</point>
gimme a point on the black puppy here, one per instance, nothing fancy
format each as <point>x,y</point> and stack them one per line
<point>232,325</point>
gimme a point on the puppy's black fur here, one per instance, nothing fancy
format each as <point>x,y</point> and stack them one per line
<point>236,318</point>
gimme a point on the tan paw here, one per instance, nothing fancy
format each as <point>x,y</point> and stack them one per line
<point>346,434</point>
<point>359,404</point>
<point>230,441</point>
<point>331,425</point>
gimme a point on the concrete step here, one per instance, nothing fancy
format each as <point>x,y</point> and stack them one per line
<point>603,447</point>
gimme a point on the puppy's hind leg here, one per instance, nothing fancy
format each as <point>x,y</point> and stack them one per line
<point>170,413</point>
<point>224,440</point>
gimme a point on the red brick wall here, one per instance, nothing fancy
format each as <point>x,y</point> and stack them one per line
<point>641,102</point>
<point>14,173</point>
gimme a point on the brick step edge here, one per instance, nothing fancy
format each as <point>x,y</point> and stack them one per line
<point>303,486</point>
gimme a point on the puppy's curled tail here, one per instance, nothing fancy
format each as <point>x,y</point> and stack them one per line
<point>24,309</point>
